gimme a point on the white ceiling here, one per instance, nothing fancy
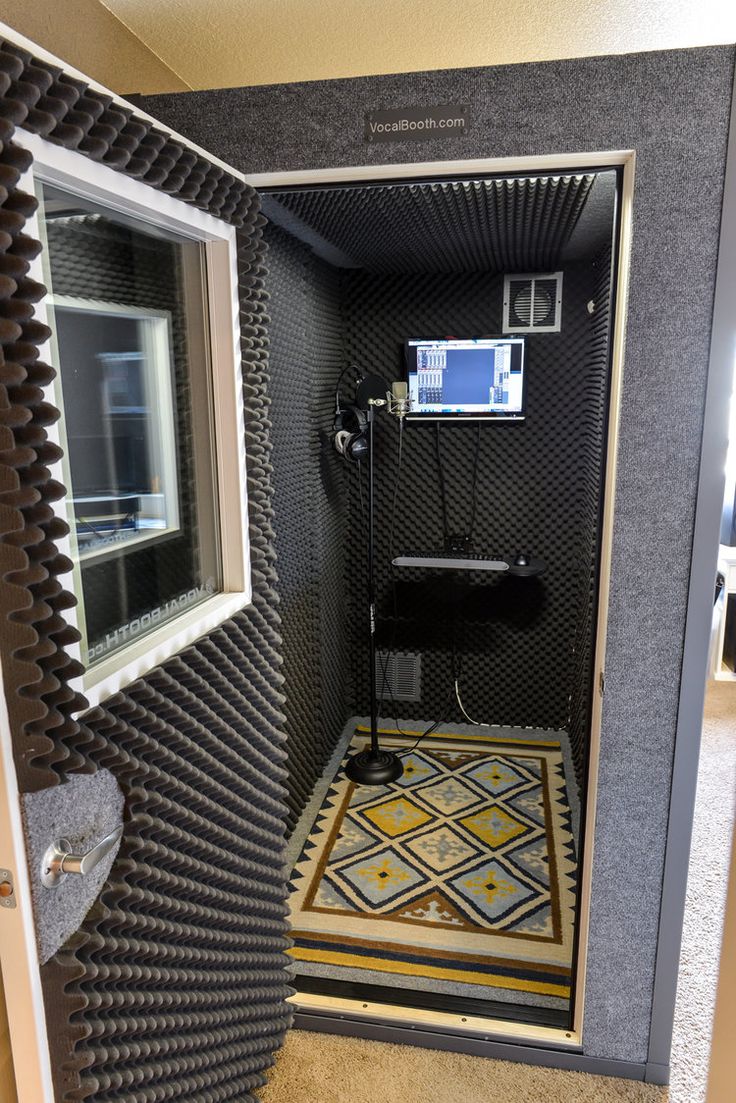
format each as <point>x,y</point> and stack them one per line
<point>223,43</point>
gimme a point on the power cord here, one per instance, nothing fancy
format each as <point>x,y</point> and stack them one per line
<point>474,499</point>
<point>441,472</point>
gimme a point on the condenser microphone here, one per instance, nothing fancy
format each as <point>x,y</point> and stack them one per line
<point>398,399</point>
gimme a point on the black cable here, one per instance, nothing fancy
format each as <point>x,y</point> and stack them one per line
<point>397,483</point>
<point>430,729</point>
<point>337,385</point>
<point>360,493</point>
<point>440,469</point>
<point>474,500</point>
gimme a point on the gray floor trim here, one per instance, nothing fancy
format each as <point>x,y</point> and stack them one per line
<point>657,1074</point>
<point>711,484</point>
<point>479,1047</point>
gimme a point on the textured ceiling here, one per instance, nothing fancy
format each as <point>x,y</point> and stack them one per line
<point>506,225</point>
<point>227,43</point>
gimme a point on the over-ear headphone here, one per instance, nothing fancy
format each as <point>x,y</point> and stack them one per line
<point>350,427</point>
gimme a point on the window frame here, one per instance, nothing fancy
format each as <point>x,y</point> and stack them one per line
<point>157,338</point>
<point>98,183</point>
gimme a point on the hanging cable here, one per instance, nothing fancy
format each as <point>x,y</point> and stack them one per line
<point>474,497</point>
<point>359,465</point>
<point>441,472</point>
<point>477,723</point>
<point>339,381</point>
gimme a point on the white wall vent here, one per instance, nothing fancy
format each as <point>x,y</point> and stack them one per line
<point>399,675</point>
<point>532,304</point>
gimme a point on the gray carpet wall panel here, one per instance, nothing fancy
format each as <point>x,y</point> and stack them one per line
<point>174,985</point>
<point>673,108</point>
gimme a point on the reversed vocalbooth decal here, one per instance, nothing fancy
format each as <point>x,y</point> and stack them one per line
<point>397,124</point>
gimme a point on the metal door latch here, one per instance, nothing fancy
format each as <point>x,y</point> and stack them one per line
<point>58,861</point>
<point>7,890</point>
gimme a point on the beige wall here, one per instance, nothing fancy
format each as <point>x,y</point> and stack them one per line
<point>224,43</point>
<point>169,45</point>
<point>86,35</point>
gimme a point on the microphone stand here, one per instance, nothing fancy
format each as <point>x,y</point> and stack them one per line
<point>373,766</point>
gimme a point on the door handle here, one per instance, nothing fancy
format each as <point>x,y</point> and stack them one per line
<point>59,860</point>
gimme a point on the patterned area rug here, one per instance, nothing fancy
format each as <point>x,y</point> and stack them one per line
<point>463,870</point>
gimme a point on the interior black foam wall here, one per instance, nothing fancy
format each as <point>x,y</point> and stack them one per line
<point>305,359</point>
<point>174,985</point>
<point>515,637</point>
<point>591,474</point>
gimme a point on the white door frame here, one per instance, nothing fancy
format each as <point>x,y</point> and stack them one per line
<point>465,1025</point>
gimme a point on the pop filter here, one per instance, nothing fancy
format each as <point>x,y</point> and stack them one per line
<point>370,386</point>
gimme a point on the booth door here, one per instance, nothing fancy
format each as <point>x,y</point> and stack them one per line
<point>142,889</point>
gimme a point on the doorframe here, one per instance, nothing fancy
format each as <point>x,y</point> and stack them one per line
<point>366,1014</point>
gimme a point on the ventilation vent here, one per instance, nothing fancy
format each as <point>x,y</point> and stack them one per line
<point>399,675</point>
<point>532,304</point>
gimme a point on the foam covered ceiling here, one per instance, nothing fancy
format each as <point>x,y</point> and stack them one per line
<point>520,224</point>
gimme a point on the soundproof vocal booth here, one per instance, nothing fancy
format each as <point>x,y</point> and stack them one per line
<point>476,330</point>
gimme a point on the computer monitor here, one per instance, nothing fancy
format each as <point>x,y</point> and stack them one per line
<point>466,379</point>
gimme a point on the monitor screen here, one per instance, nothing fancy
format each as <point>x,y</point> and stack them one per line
<point>468,378</point>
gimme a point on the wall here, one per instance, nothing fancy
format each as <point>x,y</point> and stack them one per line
<point>305,358</point>
<point>673,109</point>
<point>137,46</point>
<point>274,41</point>
<point>87,35</point>
<point>514,638</point>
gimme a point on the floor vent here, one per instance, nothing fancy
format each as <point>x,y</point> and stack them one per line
<point>532,304</point>
<point>399,675</point>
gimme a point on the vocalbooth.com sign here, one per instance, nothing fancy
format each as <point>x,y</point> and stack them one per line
<point>402,123</point>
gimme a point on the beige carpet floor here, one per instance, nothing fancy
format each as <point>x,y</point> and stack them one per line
<point>706,896</point>
<point>322,1068</point>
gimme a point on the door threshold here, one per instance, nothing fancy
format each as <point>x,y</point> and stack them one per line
<point>343,1008</point>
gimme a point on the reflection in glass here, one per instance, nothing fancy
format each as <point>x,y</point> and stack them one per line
<point>126,307</point>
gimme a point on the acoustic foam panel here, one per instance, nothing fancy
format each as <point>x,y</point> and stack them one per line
<point>517,654</point>
<point>514,638</point>
<point>511,225</point>
<point>673,108</point>
<point>174,985</point>
<point>589,508</point>
<point>305,360</point>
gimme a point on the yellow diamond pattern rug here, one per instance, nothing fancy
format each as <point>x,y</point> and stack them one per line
<point>463,870</point>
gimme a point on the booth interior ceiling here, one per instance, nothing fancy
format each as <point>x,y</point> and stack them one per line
<point>180,931</point>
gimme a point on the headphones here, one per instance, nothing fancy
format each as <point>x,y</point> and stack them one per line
<point>350,426</point>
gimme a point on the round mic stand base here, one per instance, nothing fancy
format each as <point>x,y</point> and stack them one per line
<point>374,767</point>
